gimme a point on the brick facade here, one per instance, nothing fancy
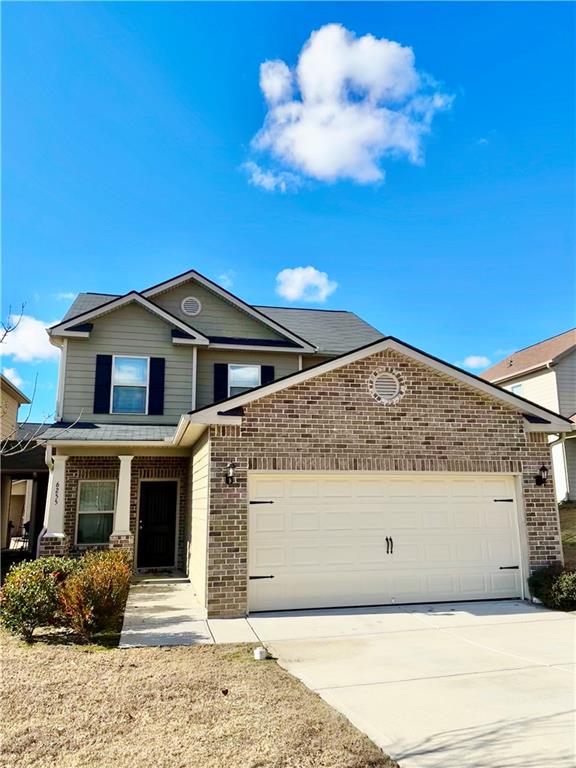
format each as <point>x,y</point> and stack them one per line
<point>107,468</point>
<point>332,422</point>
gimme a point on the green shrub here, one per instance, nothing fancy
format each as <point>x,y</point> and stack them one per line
<point>555,587</point>
<point>93,598</point>
<point>30,595</point>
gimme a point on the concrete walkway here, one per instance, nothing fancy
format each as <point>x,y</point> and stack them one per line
<point>163,610</point>
<point>469,685</point>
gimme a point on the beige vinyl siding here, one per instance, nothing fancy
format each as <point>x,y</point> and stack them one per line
<point>284,363</point>
<point>197,546</point>
<point>570,454</point>
<point>8,415</point>
<point>130,330</point>
<point>566,378</point>
<point>217,317</point>
<point>308,361</point>
<point>539,387</point>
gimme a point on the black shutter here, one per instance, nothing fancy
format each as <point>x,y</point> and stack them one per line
<point>220,381</point>
<point>156,386</point>
<point>102,384</point>
<point>267,374</point>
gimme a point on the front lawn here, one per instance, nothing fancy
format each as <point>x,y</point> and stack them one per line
<point>210,706</point>
<point>568,528</point>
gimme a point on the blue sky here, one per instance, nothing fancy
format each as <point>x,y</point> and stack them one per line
<point>127,131</point>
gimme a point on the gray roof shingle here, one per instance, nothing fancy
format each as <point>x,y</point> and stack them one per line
<point>109,432</point>
<point>333,332</point>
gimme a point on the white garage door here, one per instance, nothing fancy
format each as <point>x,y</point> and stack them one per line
<point>340,540</point>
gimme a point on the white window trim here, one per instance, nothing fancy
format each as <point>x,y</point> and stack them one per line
<point>94,511</point>
<point>245,365</point>
<point>112,385</point>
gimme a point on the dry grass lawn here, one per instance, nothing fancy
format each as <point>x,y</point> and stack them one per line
<point>568,527</point>
<point>73,707</point>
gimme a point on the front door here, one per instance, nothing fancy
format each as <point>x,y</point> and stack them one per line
<point>157,524</point>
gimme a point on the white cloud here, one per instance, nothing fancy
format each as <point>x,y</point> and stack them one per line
<point>304,283</point>
<point>271,181</point>
<point>226,279</point>
<point>476,361</point>
<point>66,295</point>
<point>28,342</point>
<point>13,376</point>
<point>348,103</point>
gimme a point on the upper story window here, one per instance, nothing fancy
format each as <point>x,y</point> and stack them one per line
<point>241,378</point>
<point>516,389</point>
<point>130,377</point>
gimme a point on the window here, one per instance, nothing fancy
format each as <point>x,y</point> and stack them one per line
<point>96,504</point>
<point>130,385</point>
<point>516,389</point>
<point>241,378</point>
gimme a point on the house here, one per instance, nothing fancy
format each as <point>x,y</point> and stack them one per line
<point>23,476</point>
<point>291,458</point>
<point>546,374</point>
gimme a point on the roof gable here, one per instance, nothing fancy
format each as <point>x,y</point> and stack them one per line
<point>546,420</point>
<point>78,326</point>
<point>254,322</point>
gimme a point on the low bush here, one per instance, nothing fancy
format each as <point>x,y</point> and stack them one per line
<point>30,595</point>
<point>555,587</point>
<point>93,597</point>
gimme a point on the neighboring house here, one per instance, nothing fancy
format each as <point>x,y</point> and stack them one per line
<point>546,374</point>
<point>290,458</point>
<point>10,400</point>
<point>23,475</point>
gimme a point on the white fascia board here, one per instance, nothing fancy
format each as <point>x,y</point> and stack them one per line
<point>549,428</point>
<point>556,424</point>
<point>73,334</point>
<point>111,306</point>
<point>229,297</point>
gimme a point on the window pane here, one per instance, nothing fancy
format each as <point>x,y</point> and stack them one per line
<point>130,371</point>
<point>97,496</point>
<point>243,376</point>
<point>95,529</point>
<point>238,390</point>
<point>129,400</point>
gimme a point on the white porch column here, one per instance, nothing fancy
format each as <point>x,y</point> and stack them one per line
<point>53,540</point>
<point>54,515</point>
<point>122,515</point>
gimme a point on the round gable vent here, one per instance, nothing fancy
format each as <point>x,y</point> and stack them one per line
<point>191,306</point>
<point>385,387</point>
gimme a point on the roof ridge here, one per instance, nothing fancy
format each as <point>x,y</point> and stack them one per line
<point>305,309</point>
<point>537,343</point>
<point>98,293</point>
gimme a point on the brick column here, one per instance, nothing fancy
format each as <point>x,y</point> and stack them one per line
<point>54,541</point>
<point>121,537</point>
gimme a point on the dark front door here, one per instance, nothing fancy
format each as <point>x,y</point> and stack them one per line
<point>157,524</point>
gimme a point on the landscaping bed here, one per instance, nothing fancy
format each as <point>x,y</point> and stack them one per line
<point>210,706</point>
<point>568,528</point>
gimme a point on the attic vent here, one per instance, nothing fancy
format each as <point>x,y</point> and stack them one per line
<point>385,387</point>
<point>191,306</point>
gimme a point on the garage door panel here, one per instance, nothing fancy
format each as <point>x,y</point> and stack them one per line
<point>324,539</point>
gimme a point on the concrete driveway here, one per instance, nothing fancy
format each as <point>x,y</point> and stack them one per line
<point>441,686</point>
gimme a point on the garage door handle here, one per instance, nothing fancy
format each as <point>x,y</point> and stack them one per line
<point>391,545</point>
<point>509,567</point>
<point>503,499</point>
<point>387,545</point>
<point>261,502</point>
<point>260,577</point>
